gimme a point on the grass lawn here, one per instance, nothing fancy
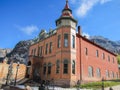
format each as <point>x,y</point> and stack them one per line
<point>97,85</point>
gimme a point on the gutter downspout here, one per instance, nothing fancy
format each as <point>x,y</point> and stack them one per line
<point>80,61</point>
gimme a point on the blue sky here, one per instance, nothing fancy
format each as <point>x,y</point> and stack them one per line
<point>23,19</point>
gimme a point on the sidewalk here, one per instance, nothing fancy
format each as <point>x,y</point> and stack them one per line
<point>21,87</point>
<point>114,87</point>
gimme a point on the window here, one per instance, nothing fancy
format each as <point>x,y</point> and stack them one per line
<point>109,58</point>
<point>73,41</point>
<point>49,68</point>
<point>65,67</point>
<point>107,73</point>
<point>44,69</point>
<point>50,49</point>
<point>65,40</point>
<point>34,51</point>
<point>40,51</point>
<point>59,41</point>
<point>113,60</point>
<point>116,75</point>
<point>112,75</point>
<point>86,51</point>
<point>57,66</point>
<point>46,51</point>
<point>103,56</point>
<point>98,73</point>
<point>73,67</point>
<point>90,71</point>
<point>97,53</point>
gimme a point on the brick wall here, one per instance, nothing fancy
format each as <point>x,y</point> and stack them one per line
<point>95,62</point>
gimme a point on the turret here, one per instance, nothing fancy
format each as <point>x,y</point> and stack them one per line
<point>66,19</point>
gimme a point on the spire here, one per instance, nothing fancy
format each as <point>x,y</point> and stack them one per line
<point>67,11</point>
<point>66,6</point>
<point>66,15</point>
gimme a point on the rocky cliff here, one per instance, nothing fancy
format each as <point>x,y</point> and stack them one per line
<point>20,51</point>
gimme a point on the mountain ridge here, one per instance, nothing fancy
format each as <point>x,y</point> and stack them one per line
<point>21,50</point>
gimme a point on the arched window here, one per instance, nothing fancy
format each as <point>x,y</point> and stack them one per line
<point>107,73</point>
<point>112,74</point>
<point>116,75</point>
<point>44,69</point>
<point>49,68</point>
<point>73,67</point>
<point>57,66</point>
<point>98,73</point>
<point>29,63</point>
<point>90,71</point>
<point>65,66</point>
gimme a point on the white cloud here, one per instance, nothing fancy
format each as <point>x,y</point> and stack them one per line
<point>72,1</point>
<point>84,6</point>
<point>29,30</point>
<point>104,1</point>
<point>86,35</point>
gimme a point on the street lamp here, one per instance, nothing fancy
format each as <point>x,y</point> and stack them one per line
<point>102,83</point>
<point>16,73</point>
<point>9,73</point>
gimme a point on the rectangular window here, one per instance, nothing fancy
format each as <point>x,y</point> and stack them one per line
<point>65,40</point>
<point>73,41</point>
<point>49,69</point>
<point>109,58</point>
<point>73,67</point>
<point>46,51</point>
<point>44,70</point>
<point>40,51</point>
<point>34,51</point>
<point>86,51</point>
<point>57,66</point>
<point>97,53</point>
<point>113,60</point>
<point>59,41</point>
<point>50,49</point>
<point>103,56</point>
<point>65,69</point>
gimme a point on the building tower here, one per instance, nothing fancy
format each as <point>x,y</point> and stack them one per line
<point>66,46</point>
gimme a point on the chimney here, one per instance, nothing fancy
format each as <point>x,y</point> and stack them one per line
<point>79,30</point>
